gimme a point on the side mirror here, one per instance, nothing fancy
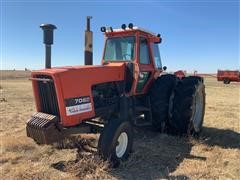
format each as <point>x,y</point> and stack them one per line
<point>164,68</point>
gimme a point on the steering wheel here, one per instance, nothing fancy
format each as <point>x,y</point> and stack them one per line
<point>126,55</point>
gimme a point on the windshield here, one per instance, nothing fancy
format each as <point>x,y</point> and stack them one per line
<point>120,49</point>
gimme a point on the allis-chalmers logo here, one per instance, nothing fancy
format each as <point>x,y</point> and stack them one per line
<point>73,109</point>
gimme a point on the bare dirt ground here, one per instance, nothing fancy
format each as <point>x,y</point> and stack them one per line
<point>215,155</point>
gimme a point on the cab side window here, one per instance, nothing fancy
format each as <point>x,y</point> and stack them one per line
<point>157,57</point>
<point>144,51</point>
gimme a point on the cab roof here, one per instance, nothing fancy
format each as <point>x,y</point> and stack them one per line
<point>130,31</point>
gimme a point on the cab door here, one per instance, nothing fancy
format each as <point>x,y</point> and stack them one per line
<point>145,65</point>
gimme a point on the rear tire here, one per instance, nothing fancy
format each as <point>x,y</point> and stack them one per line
<point>115,141</point>
<point>187,107</point>
<point>160,93</point>
<point>226,81</point>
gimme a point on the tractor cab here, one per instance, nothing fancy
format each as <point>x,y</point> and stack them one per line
<point>138,49</point>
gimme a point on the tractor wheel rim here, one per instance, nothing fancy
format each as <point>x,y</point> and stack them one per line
<point>122,144</point>
<point>197,115</point>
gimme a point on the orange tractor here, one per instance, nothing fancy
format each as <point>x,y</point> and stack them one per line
<point>126,90</point>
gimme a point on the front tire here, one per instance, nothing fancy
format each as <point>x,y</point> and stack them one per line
<point>116,140</point>
<point>187,107</point>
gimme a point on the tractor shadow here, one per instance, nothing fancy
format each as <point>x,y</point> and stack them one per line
<point>154,155</point>
<point>224,138</point>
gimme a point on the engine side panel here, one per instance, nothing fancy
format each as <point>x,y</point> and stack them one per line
<point>106,98</point>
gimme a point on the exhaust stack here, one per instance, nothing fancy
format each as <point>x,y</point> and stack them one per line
<point>48,41</point>
<point>88,53</point>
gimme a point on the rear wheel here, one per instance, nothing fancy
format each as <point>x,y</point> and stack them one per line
<point>226,81</point>
<point>116,140</point>
<point>187,107</point>
<point>160,93</point>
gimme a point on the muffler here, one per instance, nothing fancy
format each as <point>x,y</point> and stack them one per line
<point>48,41</point>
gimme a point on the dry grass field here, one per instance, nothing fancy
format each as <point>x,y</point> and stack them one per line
<point>215,155</point>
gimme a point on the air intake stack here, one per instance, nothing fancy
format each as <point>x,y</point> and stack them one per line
<point>48,41</point>
<point>88,53</point>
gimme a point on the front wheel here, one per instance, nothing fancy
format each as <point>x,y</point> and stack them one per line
<point>116,140</point>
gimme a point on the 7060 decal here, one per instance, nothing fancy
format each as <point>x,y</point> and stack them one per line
<point>78,105</point>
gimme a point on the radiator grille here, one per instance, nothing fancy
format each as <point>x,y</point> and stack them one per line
<point>47,94</point>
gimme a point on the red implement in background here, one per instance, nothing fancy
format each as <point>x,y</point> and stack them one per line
<point>228,76</point>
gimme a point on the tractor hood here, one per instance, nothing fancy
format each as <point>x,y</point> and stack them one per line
<point>59,70</point>
<point>74,83</point>
<point>78,80</point>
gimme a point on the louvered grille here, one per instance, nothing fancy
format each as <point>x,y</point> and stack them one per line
<point>47,94</point>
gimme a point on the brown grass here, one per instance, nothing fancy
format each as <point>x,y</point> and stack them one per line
<point>214,156</point>
<point>11,74</point>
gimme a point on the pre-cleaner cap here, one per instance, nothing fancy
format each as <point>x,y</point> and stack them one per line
<point>48,33</point>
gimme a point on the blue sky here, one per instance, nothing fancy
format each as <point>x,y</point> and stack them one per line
<point>197,35</point>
